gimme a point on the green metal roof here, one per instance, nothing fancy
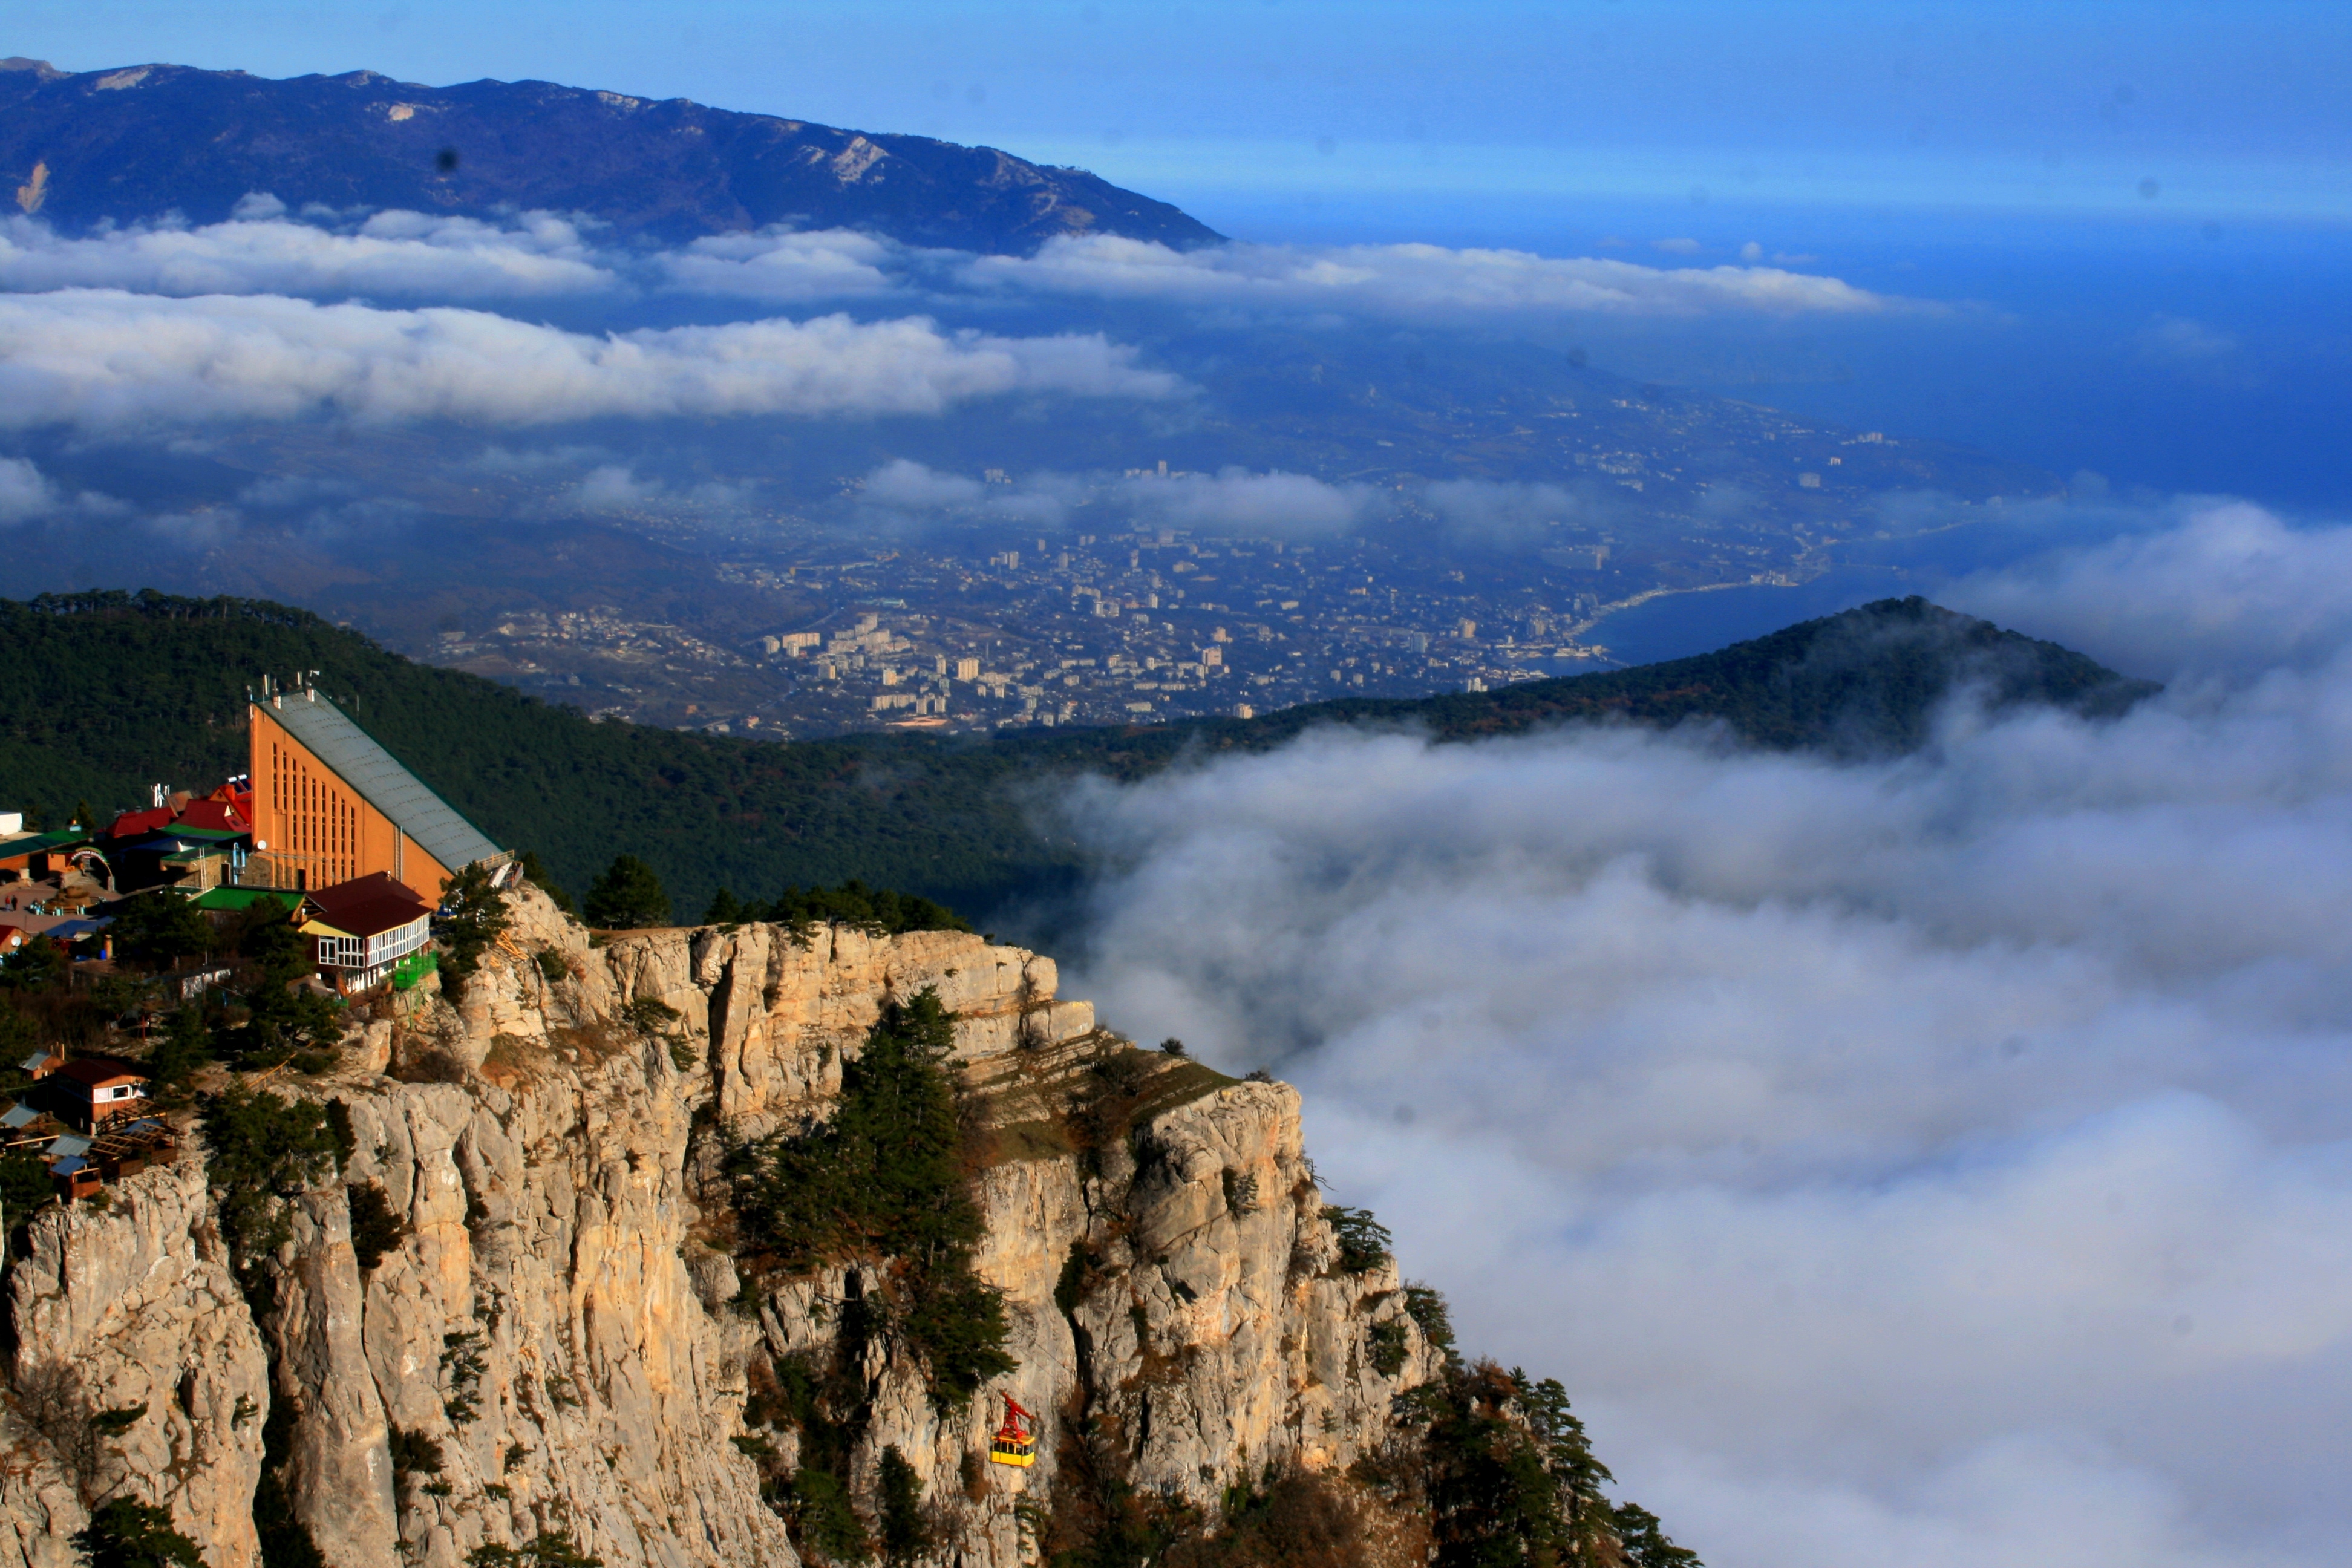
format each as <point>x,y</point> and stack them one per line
<point>32,843</point>
<point>234,898</point>
<point>363,764</point>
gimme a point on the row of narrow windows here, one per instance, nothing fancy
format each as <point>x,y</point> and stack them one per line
<point>316,819</point>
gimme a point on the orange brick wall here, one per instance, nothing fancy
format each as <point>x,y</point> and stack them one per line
<point>314,824</point>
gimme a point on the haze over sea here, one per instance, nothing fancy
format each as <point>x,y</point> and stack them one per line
<point>2139,351</point>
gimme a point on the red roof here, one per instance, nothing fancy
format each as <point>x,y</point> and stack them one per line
<point>98,1072</point>
<point>217,814</point>
<point>370,905</point>
<point>132,823</point>
<point>226,816</point>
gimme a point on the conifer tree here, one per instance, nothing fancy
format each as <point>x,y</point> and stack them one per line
<point>126,1534</point>
<point>629,897</point>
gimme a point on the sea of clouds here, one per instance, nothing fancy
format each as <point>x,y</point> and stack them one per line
<point>1933,1161</point>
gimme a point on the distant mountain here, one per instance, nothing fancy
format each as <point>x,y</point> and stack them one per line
<point>1866,682</point>
<point>103,694</point>
<point>138,142</point>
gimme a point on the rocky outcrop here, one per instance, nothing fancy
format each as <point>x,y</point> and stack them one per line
<point>137,1372</point>
<point>561,1318</point>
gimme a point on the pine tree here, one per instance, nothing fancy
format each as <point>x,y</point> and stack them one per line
<point>186,1045</point>
<point>627,896</point>
<point>900,1493</point>
<point>126,1534</point>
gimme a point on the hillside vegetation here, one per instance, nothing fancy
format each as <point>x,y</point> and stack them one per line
<point>103,694</point>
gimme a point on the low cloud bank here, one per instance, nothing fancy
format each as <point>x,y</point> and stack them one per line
<point>904,494</point>
<point>401,254</point>
<point>1233,502</point>
<point>1933,1161</point>
<point>25,491</point>
<point>787,266</point>
<point>617,490</point>
<point>1503,513</point>
<point>29,495</point>
<point>105,359</point>
<point>2229,593</point>
<point>1259,506</point>
<point>542,254</point>
<point>1413,279</point>
<point>274,315</point>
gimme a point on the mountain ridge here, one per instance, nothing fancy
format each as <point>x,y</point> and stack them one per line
<point>137,143</point>
<point>102,693</point>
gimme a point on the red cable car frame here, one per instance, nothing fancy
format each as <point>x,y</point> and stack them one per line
<point>1015,1442</point>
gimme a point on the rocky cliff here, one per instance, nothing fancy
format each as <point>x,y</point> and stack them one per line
<point>545,1326</point>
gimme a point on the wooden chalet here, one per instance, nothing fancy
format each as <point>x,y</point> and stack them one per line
<point>364,930</point>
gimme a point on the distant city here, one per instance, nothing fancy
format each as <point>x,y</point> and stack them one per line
<point>985,629</point>
<point>1121,629</point>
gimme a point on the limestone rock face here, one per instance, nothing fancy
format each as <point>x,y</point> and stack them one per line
<point>133,1308</point>
<point>559,1315</point>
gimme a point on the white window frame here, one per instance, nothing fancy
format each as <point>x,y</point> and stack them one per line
<point>377,951</point>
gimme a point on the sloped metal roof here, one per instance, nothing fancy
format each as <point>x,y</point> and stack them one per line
<point>56,838</point>
<point>367,767</point>
<point>242,898</point>
<point>366,906</point>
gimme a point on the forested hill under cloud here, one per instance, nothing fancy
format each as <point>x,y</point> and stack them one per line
<point>136,143</point>
<point>104,694</point>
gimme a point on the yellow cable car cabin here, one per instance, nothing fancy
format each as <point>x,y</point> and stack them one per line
<point>1015,1442</point>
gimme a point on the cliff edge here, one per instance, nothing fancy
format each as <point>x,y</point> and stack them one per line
<point>526,1301</point>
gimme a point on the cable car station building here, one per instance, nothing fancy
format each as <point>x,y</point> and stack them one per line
<point>330,805</point>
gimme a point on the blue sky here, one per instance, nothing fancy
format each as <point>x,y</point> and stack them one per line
<point>2236,109</point>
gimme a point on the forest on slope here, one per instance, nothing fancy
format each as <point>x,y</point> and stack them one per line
<point>103,694</point>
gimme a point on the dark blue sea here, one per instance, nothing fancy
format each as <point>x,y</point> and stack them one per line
<point>1679,625</point>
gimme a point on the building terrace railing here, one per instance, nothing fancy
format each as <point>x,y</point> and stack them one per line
<point>371,952</point>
